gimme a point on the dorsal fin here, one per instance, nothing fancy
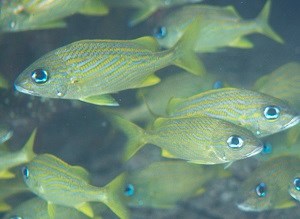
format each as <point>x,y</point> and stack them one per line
<point>147,42</point>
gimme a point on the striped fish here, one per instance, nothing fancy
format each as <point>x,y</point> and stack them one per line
<point>262,114</point>
<point>62,184</point>
<point>201,140</point>
<point>89,70</point>
<point>283,83</point>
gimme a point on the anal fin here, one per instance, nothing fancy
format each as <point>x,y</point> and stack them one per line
<point>86,209</point>
<point>102,100</point>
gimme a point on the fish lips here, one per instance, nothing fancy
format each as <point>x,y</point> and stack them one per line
<point>292,123</point>
<point>245,207</point>
<point>22,86</point>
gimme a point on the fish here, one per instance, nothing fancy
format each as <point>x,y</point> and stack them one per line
<point>156,97</point>
<point>199,140</point>
<point>283,83</point>
<point>90,70</point>
<point>5,133</point>
<point>36,208</point>
<point>154,186</point>
<point>10,188</point>
<point>59,183</point>
<point>23,15</point>
<point>10,159</point>
<point>294,186</point>
<point>267,187</point>
<point>145,8</point>
<point>260,113</point>
<point>221,27</point>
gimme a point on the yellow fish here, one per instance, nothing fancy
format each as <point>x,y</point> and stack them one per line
<point>201,140</point>
<point>260,113</point>
<point>62,184</point>
<point>220,27</point>
<point>89,70</point>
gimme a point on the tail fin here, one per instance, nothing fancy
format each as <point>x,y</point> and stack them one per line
<point>28,147</point>
<point>114,197</point>
<point>134,133</point>
<point>184,50</point>
<point>262,21</point>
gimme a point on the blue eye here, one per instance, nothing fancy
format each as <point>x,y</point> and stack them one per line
<point>235,141</point>
<point>39,76</point>
<point>160,32</point>
<point>271,112</point>
<point>267,148</point>
<point>261,189</point>
<point>25,172</point>
<point>218,85</point>
<point>297,184</point>
<point>129,190</point>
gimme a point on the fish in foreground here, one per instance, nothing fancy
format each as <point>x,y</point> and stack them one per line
<point>201,140</point>
<point>146,7</point>
<point>5,133</point>
<point>157,97</point>
<point>163,184</point>
<point>294,186</point>
<point>22,15</point>
<point>36,208</point>
<point>62,184</point>
<point>12,159</point>
<point>267,187</point>
<point>283,83</point>
<point>89,70</point>
<point>220,27</point>
<point>260,113</point>
<point>10,188</point>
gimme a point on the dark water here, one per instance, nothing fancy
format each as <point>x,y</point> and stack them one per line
<point>79,134</point>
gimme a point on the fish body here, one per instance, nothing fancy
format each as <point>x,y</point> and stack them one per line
<point>201,140</point>
<point>262,114</point>
<point>21,15</point>
<point>220,27</point>
<point>267,187</point>
<point>61,184</point>
<point>89,70</point>
<point>283,83</point>
<point>154,185</point>
<point>12,159</point>
<point>146,7</point>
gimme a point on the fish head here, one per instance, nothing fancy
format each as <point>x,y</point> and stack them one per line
<point>294,187</point>
<point>46,77</point>
<point>253,195</point>
<point>276,116</point>
<point>237,143</point>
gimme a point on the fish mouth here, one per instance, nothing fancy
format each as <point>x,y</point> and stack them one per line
<point>23,90</point>
<point>292,123</point>
<point>245,207</point>
<point>257,150</point>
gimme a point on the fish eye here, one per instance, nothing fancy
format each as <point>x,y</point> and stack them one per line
<point>271,112</point>
<point>297,183</point>
<point>235,141</point>
<point>25,172</point>
<point>218,84</point>
<point>15,217</point>
<point>39,76</point>
<point>261,189</point>
<point>129,190</point>
<point>267,148</point>
<point>160,32</point>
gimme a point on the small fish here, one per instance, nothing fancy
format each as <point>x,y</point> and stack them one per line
<point>5,133</point>
<point>283,83</point>
<point>267,187</point>
<point>22,15</point>
<point>36,208</point>
<point>89,70</point>
<point>62,184</point>
<point>12,159</point>
<point>10,188</point>
<point>158,96</point>
<point>146,7</point>
<point>260,113</point>
<point>220,27</point>
<point>200,140</point>
<point>154,185</point>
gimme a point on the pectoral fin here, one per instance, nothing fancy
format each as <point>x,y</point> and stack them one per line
<point>287,204</point>
<point>102,100</point>
<point>86,209</point>
<point>147,42</point>
<point>51,210</point>
<point>6,174</point>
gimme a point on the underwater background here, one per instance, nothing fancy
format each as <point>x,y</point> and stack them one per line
<point>80,134</point>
